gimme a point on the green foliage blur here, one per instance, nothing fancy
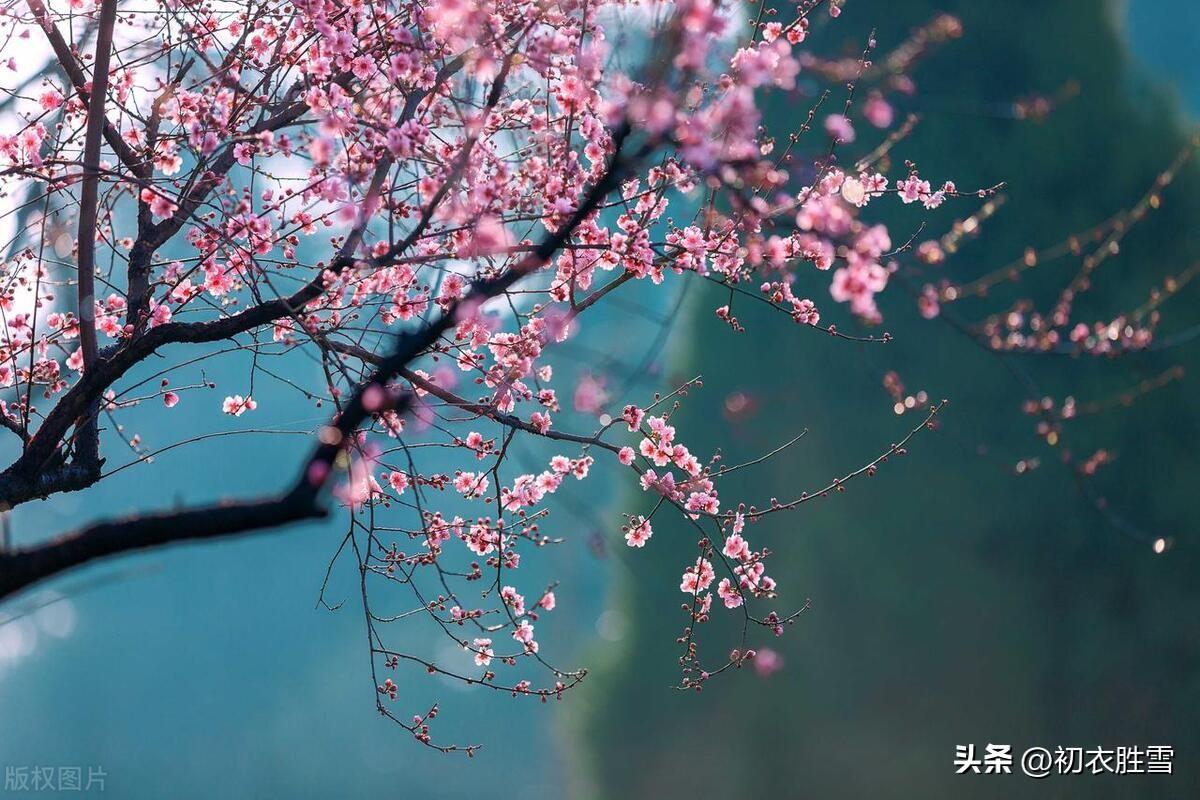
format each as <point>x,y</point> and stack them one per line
<point>954,601</point>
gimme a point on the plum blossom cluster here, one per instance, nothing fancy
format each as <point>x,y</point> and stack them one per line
<point>401,210</point>
<point>1031,327</point>
<point>1044,301</point>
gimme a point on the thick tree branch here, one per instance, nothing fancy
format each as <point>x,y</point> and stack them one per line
<point>87,446</point>
<point>23,567</point>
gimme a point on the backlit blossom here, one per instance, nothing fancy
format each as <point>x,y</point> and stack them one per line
<point>236,405</point>
<point>639,532</point>
<point>482,648</point>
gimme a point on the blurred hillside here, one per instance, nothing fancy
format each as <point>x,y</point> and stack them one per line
<point>954,601</point>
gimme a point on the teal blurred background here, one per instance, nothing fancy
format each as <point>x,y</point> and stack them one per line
<point>953,601</point>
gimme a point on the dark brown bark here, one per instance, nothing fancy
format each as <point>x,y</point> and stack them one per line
<point>87,442</point>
